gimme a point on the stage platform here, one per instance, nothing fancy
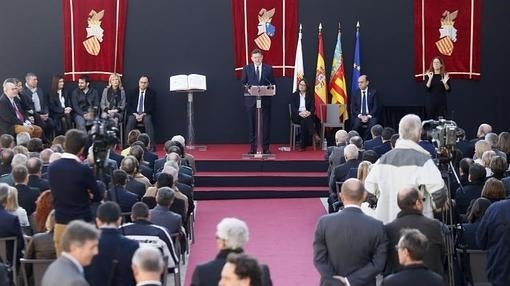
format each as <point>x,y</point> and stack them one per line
<point>222,173</point>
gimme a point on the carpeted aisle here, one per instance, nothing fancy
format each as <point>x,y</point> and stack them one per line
<point>281,234</point>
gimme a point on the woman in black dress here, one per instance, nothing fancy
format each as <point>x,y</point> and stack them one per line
<point>60,106</point>
<point>113,100</point>
<point>437,87</point>
<point>302,108</point>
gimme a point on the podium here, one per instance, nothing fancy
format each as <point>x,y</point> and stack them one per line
<point>258,91</point>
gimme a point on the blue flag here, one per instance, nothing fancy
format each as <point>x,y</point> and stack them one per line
<point>356,69</point>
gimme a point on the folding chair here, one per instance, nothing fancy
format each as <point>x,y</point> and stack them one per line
<point>39,266</point>
<point>4,243</point>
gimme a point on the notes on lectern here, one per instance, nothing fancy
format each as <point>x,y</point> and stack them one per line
<point>189,82</point>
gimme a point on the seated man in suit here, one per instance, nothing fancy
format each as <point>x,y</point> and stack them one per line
<point>350,259</point>
<point>412,248</point>
<point>148,156</point>
<point>79,243</point>
<point>147,265</point>
<point>124,198</point>
<point>34,167</point>
<point>112,246</point>
<point>161,214</point>
<point>140,107</point>
<point>84,99</point>
<point>26,195</point>
<point>13,118</point>
<point>364,107</point>
<point>340,173</point>
<point>386,141</point>
<point>376,140</point>
<point>130,165</point>
<point>38,104</point>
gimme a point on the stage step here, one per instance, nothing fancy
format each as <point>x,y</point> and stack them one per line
<point>262,166</point>
<point>248,179</point>
<point>256,192</point>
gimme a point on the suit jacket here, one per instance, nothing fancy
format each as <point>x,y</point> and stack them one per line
<point>43,99</point>
<point>209,273</point>
<point>63,272</point>
<point>294,105</point>
<point>56,109</point>
<point>372,143</point>
<point>8,116</point>
<point>41,246</point>
<point>112,245</point>
<point>148,102</point>
<point>81,102</point>
<point>383,148</point>
<point>162,216</point>
<point>136,187</point>
<point>372,102</point>
<point>123,197</point>
<point>249,77</point>
<point>35,182</point>
<point>27,197</point>
<point>11,227</point>
<point>340,173</point>
<point>149,157</point>
<point>464,196</point>
<point>116,157</point>
<point>416,275</point>
<point>431,228</point>
<point>337,251</point>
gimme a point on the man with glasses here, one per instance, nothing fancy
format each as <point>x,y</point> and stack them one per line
<point>140,108</point>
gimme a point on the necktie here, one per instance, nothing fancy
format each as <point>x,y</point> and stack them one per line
<point>18,113</point>
<point>258,73</point>
<point>139,109</point>
<point>364,110</point>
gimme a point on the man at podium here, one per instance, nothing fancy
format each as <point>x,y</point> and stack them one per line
<point>258,73</point>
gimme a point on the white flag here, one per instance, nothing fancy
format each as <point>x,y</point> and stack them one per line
<point>299,69</point>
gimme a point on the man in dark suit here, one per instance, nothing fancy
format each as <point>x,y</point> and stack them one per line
<point>84,100</point>
<point>340,256</point>
<point>386,141</point>
<point>364,107</point>
<point>6,160</point>
<point>412,248</point>
<point>80,241</point>
<point>119,194</point>
<point>258,73</point>
<point>111,267</point>
<point>376,140</point>
<point>129,165</point>
<point>13,118</point>
<point>410,201</point>
<point>26,195</point>
<point>341,172</point>
<point>10,224</point>
<point>147,265</point>
<point>140,108</point>
<point>34,167</point>
<point>471,191</point>
<point>38,104</point>
<point>148,156</point>
<point>161,214</point>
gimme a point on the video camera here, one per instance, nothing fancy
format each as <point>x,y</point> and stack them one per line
<point>103,134</point>
<point>444,134</point>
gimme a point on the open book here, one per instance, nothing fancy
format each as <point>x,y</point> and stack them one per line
<point>190,82</point>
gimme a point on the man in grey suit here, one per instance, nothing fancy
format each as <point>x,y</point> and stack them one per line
<point>350,247</point>
<point>161,214</point>
<point>79,244</point>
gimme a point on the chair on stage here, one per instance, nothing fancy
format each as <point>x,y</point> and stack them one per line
<point>294,127</point>
<point>331,116</point>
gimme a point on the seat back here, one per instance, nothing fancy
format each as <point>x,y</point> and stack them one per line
<point>38,266</point>
<point>5,246</point>
<point>477,264</point>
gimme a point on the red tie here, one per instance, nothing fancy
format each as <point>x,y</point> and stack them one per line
<point>18,113</point>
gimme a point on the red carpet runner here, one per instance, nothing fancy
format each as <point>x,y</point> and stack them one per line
<point>281,234</point>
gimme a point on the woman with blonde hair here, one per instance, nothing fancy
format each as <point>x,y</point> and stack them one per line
<point>13,207</point>
<point>113,100</point>
<point>363,170</point>
<point>493,190</point>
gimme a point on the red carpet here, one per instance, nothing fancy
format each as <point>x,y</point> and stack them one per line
<point>281,234</point>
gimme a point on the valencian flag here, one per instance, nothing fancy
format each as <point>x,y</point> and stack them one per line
<point>269,25</point>
<point>93,38</point>
<point>449,29</point>
<point>356,67</point>
<point>320,91</point>
<point>337,83</point>
<point>299,68</point>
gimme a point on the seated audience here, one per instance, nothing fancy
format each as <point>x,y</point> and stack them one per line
<point>13,208</point>
<point>111,266</point>
<point>17,160</point>
<point>140,107</point>
<point>161,214</point>
<point>132,137</point>
<point>376,140</point>
<point>370,156</point>
<point>480,147</point>
<point>144,174</point>
<point>412,249</point>
<point>386,136</point>
<point>26,195</point>
<point>43,206</point>
<point>41,246</point>
<point>37,102</point>
<point>241,269</point>
<point>426,143</point>
<point>60,106</point>
<point>5,165</point>
<point>130,165</point>
<point>504,143</point>
<point>124,198</point>
<point>493,190</point>
<point>464,195</point>
<point>498,167</point>
<point>7,141</point>
<point>335,153</point>
<point>493,138</point>
<point>182,202</point>
<point>466,147</point>
<point>35,145</point>
<point>410,201</point>
<point>84,99</point>
<point>486,161</point>
<point>341,172</point>
<point>231,236</point>
<point>148,156</point>
<point>147,265</point>
<point>22,139</point>
<point>186,156</point>
<point>79,245</point>
<point>10,224</point>
<point>34,167</point>
<point>467,237</point>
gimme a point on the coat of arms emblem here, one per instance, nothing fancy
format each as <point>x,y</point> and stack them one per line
<point>266,30</point>
<point>94,33</point>
<point>447,33</point>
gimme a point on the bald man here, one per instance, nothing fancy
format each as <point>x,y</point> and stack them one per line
<point>340,256</point>
<point>364,107</point>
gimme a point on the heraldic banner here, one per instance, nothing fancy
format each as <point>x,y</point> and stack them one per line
<point>269,25</point>
<point>449,29</point>
<point>93,38</point>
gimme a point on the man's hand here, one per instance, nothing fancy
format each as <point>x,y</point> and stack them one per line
<point>304,114</point>
<point>67,110</point>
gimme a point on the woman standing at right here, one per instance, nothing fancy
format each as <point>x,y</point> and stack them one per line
<point>437,86</point>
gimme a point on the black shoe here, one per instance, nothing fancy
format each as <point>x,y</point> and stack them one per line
<point>267,152</point>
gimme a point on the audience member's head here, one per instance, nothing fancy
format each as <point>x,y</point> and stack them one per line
<point>493,190</point>
<point>172,171</point>
<point>119,178</point>
<point>393,140</point>
<point>144,137</point>
<point>411,247</point>
<point>231,233</point>
<point>7,141</point>
<point>480,147</point>
<point>492,138</point>
<point>483,129</point>
<point>464,165</point>
<point>20,175</point>
<point>410,127</point>
<point>357,141</point>
<point>498,166</point>
<point>43,206</point>
<point>504,142</point>
<point>12,200</point>
<point>133,136</point>
<point>241,270</point>
<point>35,145</point>
<point>352,192</point>
<point>4,193</point>
<point>20,149</point>
<point>137,152</point>
<point>363,170</point>
<point>19,160</point>
<point>352,133</point>
<point>409,198</point>
<point>22,138</point>
<point>130,165</point>
<point>75,141</point>
<point>180,139</point>
<point>59,140</point>
<point>376,130</point>
<point>478,209</point>
<point>7,156</point>
<point>341,137</point>
<point>165,197</point>
<point>351,152</point>
<point>487,158</point>
<point>174,157</point>
<point>140,211</point>
<point>370,156</point>
<point>34,166</point>
<point>45,155</point>
<point>165,180</point>
<point>80,240</point>
<point>108,215</point>
<point>477,174</point>
<point>147,264</point>
<point>386,133</point>
<point>57,148</point>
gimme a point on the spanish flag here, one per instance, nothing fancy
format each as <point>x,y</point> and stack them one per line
<point>337,84</point>
<point>320,92</point>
